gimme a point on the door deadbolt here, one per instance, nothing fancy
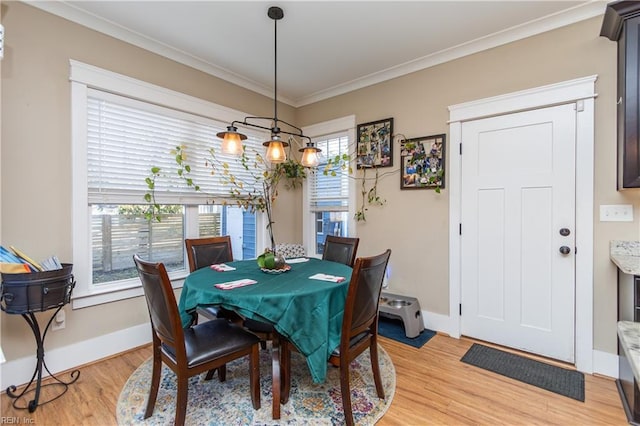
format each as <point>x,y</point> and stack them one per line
<point>565,232</point>
<point>565,250</point>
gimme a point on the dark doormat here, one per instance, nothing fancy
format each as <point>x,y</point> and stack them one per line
<point>555,379</point>
<point>393,329</point>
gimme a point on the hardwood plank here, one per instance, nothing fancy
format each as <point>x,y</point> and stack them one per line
<point>432,387</point>
<point>89,401</point>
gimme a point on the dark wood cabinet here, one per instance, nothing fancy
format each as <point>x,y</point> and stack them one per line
<point>636,299</point>
<point>621,24</point>
<point>628,310</point>
<point>628,297</point>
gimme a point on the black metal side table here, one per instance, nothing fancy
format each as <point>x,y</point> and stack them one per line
<point>25,294</point>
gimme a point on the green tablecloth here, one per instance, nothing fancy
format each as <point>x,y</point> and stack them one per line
<point>307,312</point>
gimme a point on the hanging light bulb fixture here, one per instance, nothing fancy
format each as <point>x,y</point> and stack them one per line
<point>275,149</point>
<point>310,155</point>
<point>232,139</point>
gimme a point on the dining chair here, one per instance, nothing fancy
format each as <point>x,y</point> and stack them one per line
<point>193,350</point>
<point>340,249</point>
<point>207,251</point>
<point>359,329</point>
<point>204,252</point>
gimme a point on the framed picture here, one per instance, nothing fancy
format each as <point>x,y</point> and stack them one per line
<point>422,162</point>
<point>374,147</point>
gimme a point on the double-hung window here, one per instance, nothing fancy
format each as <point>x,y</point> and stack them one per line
<point>329,198</point>
<point>119,135</point>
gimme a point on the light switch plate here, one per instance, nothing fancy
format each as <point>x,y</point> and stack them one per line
<point>616,213</point>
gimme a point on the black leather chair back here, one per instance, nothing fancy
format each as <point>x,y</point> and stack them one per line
<point>361,308</point>
<point>340,249</point>
<point>203,252</point>
<point>161,302</point>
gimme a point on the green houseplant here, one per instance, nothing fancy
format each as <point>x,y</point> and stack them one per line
<point>255,189</point>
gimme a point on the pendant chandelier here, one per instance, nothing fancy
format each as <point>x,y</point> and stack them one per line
<point>232,139</point>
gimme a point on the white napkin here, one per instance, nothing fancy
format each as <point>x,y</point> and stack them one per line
<point>298,260</point>
<point>327,277</point>
<point>221,267</point>
<point>235,284</point>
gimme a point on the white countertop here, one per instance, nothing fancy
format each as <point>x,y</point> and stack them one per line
<point>626,256</point>
<point>629,334</point>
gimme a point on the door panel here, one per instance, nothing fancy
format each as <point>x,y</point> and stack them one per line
<point>536,259</point>
<point>491,258</point>
<point>518,191</point>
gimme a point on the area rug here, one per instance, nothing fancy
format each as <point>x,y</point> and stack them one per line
<point>393,329</point>
<point>229,403</point>
<point>560,380</point>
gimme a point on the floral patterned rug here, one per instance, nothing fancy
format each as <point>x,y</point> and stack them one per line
<point>229,403</point>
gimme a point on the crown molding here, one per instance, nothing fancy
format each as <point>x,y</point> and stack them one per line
<point>539,26</point>
<point>81,17</point>
<point>579,13</point>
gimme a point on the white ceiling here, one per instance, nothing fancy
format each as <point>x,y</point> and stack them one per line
<point>325,48</point>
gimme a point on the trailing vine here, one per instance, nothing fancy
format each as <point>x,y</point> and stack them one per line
<point>255,191</point>
<point>258,189</point>
<point>368,196</point>
<point>183,170</point>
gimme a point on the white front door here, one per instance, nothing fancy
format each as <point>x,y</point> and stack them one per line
<point>518,230</point>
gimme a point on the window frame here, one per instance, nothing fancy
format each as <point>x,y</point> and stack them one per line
<point>84,77</point>
<point>345,125</point>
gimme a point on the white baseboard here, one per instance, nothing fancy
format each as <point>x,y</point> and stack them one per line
<point>605,364</point>
<point>438,322</point>
<point>19,371</point>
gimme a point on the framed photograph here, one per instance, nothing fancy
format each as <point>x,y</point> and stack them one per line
<point>422,162</point>
<point>374,146</point>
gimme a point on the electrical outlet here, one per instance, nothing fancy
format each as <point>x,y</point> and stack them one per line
<point>616,213</point>
<point>59,322</point>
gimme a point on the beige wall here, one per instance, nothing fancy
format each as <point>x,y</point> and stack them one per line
<point>414,224</point>
<point>36,168</point>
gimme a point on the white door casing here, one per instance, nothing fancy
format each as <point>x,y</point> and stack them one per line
<point>235,223</point>
<point>518,184</point>
<point>580,91</point>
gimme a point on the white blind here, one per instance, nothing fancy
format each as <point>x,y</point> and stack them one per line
<point>126,138</point>
<point>327,192</point>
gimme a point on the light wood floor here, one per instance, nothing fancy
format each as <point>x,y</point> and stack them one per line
<point>432,387</point>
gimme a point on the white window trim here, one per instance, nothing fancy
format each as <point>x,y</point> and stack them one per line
<point>314,131</point>
<point>82,77</point>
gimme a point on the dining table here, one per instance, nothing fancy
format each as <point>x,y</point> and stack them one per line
<point>305,305</point>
